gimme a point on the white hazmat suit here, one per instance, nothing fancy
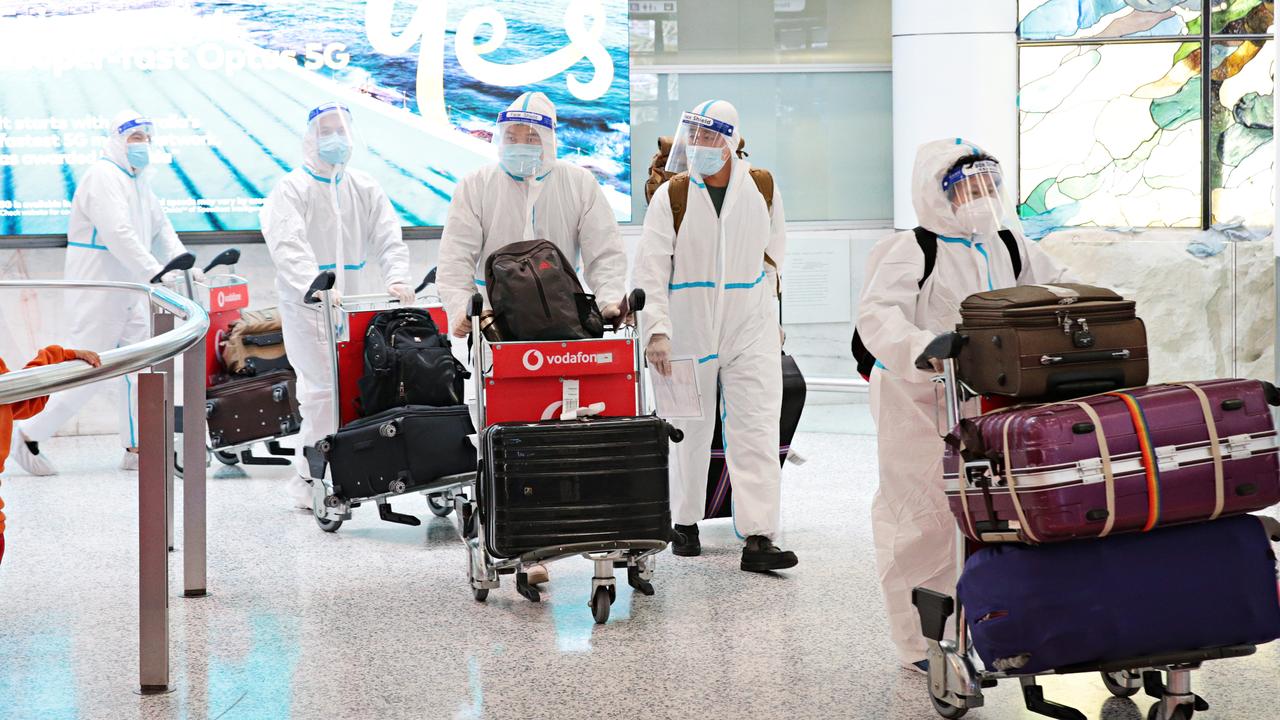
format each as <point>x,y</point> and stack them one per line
<point>528,198</point>
<point>913,528</point>
<point>117,232</point>
<point>326,216</point>
<point>711,292</point>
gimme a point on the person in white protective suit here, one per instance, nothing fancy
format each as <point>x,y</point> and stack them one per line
<point>712,295</point>
<point>327,216</point>
<point>959,194</point>
<point>528,195</point>
<point>117,232</point>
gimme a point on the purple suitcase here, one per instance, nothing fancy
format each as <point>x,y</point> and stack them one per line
<point>1159,467</point>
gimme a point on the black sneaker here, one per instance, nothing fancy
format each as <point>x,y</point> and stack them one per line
<point>685,542</point>
<point>761,555</point>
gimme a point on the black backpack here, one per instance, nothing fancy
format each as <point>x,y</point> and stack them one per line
<point>536,295</point>
<point>928,242</point>
<point>407,361</point>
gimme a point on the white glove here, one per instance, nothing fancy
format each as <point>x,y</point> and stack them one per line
<point>401,292</point>
<point>658,353</point>
<point>334,294</point>
<point>172,277</point>
<point>462,327</point>
<point>197,275</point>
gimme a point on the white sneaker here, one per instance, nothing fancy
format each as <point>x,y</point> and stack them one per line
<point>129,461</point>
<point>299,492</point>
<point>34,464</point>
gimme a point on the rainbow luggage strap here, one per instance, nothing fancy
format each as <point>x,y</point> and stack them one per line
<point>1149,462</point>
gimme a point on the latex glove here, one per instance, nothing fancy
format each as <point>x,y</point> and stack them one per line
<point>658,353</point>
<point>612,311</point>
<point>88,356</point>
<point>197,275</point>
<point>171,278</point>
<point>944,346</point>
<point>462,327</point>
<point>334,294</point>
<point>401,292</point>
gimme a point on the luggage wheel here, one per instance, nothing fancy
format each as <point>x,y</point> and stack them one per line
<point>1033,696</point>
<point>601,602</point>
<point>326,522</point>
<point>526,590</point>
<point>480,594</point>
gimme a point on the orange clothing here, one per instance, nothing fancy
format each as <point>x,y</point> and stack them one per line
<point>22,410</point>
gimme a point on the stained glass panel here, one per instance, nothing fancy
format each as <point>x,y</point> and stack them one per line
<point>1079,19</point>
<point>1242,111</point>
<point>1243,17</point>
<point>1111,136</point>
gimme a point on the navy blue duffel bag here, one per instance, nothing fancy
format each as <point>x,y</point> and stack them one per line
<point>1037,608</point>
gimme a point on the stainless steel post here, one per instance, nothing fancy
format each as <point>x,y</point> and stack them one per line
<point>194,536</point>
<point>162,322</point>
<point>154,475</point>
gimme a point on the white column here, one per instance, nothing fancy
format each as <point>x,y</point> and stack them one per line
<point>955,74</point>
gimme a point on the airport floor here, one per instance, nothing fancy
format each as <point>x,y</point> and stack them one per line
<point>377,620</point>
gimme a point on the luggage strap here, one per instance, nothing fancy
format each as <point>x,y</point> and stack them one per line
<point>1013,485</point>
<point>1105,453</point>
<point>1215,449</point>
<point>1149,461</point>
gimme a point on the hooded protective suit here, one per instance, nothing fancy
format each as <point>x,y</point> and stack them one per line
<point>325,216</point>
<point>528,198</point>
<point>117,232</point>
<point>709,289</point>
<point>913,528</point>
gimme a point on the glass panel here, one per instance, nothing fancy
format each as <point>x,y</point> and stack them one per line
<point>1079,19</point>
<point>801,126</point>
<point>1110,136</point>
<point>1243,169</point>
<point>665,32</point>
<point>1243,17</point>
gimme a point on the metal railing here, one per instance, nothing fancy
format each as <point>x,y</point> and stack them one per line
<point>155,449</point>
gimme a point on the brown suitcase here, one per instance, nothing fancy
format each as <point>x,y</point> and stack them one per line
<point>1051,342</point>
<point>244,410</point>
<point>255,343</point>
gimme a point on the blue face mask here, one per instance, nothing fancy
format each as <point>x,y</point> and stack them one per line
<point>335,149</point>
<point>705,160</point>
<point>521,160</point>
<point>139,155</point>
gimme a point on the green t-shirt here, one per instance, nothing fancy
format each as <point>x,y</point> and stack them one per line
<point>717,196</point>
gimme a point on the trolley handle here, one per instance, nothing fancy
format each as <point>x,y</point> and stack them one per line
<point>944,347</point>
<point>228,257</point>
<point>477,306</point>
<point>323,283</point>
<point>184,262</point>
<point>428,280</point>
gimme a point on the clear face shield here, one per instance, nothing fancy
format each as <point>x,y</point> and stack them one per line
<point>526,142</point>
<point>136,135</point>
<point>700,145</point>
<point>979,198</point>
<point>331,138</point>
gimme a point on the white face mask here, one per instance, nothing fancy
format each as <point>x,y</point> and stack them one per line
<point>976,217</point>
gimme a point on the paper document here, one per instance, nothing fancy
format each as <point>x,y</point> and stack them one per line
<point>676,395</point>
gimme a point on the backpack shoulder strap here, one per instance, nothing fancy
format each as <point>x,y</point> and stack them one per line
<point>928,242</point>
<point>764,183</point>
<point>1015,253</point>
<point>678,192</point>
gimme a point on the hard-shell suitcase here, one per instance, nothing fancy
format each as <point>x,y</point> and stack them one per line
<point>400,450</point>
<point>1115,463</point>
<point>1051,342</point>
<point>244,410</point>
<point>553,484</point>
<point>1051,607</point>
<point>719,485</point>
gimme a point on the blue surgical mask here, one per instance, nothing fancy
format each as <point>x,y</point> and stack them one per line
<point>705,160</point>
<point>521,160</point>
<point>335,149</point>
<point>139,155</point>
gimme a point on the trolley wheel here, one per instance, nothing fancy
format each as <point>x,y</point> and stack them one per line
<point>1182,712</point>
<point>1115,687</point>
<point>480,594</point>
<point>438,506</point>
<point>600,603</point>
<point>945,710</point>
<point>326,524</point>
<point>227,458</point>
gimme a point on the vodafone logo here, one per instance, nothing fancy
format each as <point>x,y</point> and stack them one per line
<point>228,297</point>
<point>534,360</point>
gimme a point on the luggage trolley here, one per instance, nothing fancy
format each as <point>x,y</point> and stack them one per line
<point>523,383</point>
<point>955,682</point>
<point>346,350</point>
<point>223,296</point>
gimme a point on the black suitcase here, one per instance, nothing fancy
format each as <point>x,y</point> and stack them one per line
<point>556,483</point>
<point>244,410</point>
<point>400,450</point>
<point>719,486</point>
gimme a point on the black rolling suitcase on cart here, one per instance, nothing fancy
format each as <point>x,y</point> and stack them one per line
<point>552,484</point>
<point>399,450</point>
<point>244,410</point>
